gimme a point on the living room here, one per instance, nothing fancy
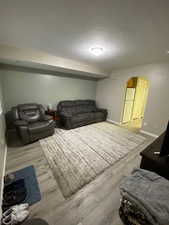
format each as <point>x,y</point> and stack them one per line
<point>65,146</point>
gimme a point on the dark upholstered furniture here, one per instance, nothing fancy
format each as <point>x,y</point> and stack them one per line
<point>31,122</point>
<point>79,113</point>
<point>153,162</point>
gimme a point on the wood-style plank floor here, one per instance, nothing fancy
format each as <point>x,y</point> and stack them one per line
<point>95,204</point>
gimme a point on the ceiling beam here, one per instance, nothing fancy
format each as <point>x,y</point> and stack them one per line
<point>39,60</point>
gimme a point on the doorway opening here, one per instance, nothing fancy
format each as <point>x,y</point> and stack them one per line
<point>135,102</point>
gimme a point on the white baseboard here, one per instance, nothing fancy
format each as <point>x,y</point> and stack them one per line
<point>149,133</point>
<point>2,185</point>
<point>112,121</point>
<point>141,131</point>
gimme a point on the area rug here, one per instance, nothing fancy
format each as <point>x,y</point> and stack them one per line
<point>28,175</point>
<point>77,156</point>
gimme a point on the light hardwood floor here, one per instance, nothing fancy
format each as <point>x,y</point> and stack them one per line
<point>134,125</point>
<point>95,204</point>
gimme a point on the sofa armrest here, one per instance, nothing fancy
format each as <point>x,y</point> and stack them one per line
<point>65,120</point>
<point>101,110</point>
<point>20,123</point>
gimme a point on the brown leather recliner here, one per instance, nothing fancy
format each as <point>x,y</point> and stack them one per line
<point>31,122</point>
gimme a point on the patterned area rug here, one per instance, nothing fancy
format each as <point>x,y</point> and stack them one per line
<point>77,156</point>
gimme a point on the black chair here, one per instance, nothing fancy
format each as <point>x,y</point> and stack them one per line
<point>31,122</point>
<point>79,113</point>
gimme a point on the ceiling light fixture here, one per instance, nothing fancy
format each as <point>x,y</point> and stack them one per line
<point>168,52</point>
<point>96,51</point>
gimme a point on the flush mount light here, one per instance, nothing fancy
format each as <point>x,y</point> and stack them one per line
<point>96,51</point>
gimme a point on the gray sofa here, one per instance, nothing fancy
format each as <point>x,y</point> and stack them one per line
<point>31,122</point>
<point>79,113</point>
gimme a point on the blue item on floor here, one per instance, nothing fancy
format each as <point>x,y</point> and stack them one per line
<point>31,184</point>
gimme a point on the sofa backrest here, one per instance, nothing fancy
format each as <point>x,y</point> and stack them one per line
<point>30,112</point>
<point>77,106</point>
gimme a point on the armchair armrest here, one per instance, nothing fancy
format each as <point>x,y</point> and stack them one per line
<point>20,123</point>
<point>22,129</point>
<point>47,118</point>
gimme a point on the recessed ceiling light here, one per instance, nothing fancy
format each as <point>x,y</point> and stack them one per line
<point>168,52</point>
<point>96,51</point>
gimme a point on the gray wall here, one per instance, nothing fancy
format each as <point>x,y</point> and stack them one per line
<point>111,93</point>
<point>2,143</point>
<point>23,87</point>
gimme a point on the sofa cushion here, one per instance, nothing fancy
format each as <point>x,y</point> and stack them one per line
<point>83,106</point>
<point>69,110</point>
<point>82,117</point>
<point>76,107</point>
<point>81,109</point>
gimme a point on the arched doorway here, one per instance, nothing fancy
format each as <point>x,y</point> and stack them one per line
<point>135,102</point>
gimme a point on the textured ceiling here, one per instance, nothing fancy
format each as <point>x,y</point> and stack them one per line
<point>132,32</point>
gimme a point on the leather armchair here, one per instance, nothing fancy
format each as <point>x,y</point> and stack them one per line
<point>31,122</point>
